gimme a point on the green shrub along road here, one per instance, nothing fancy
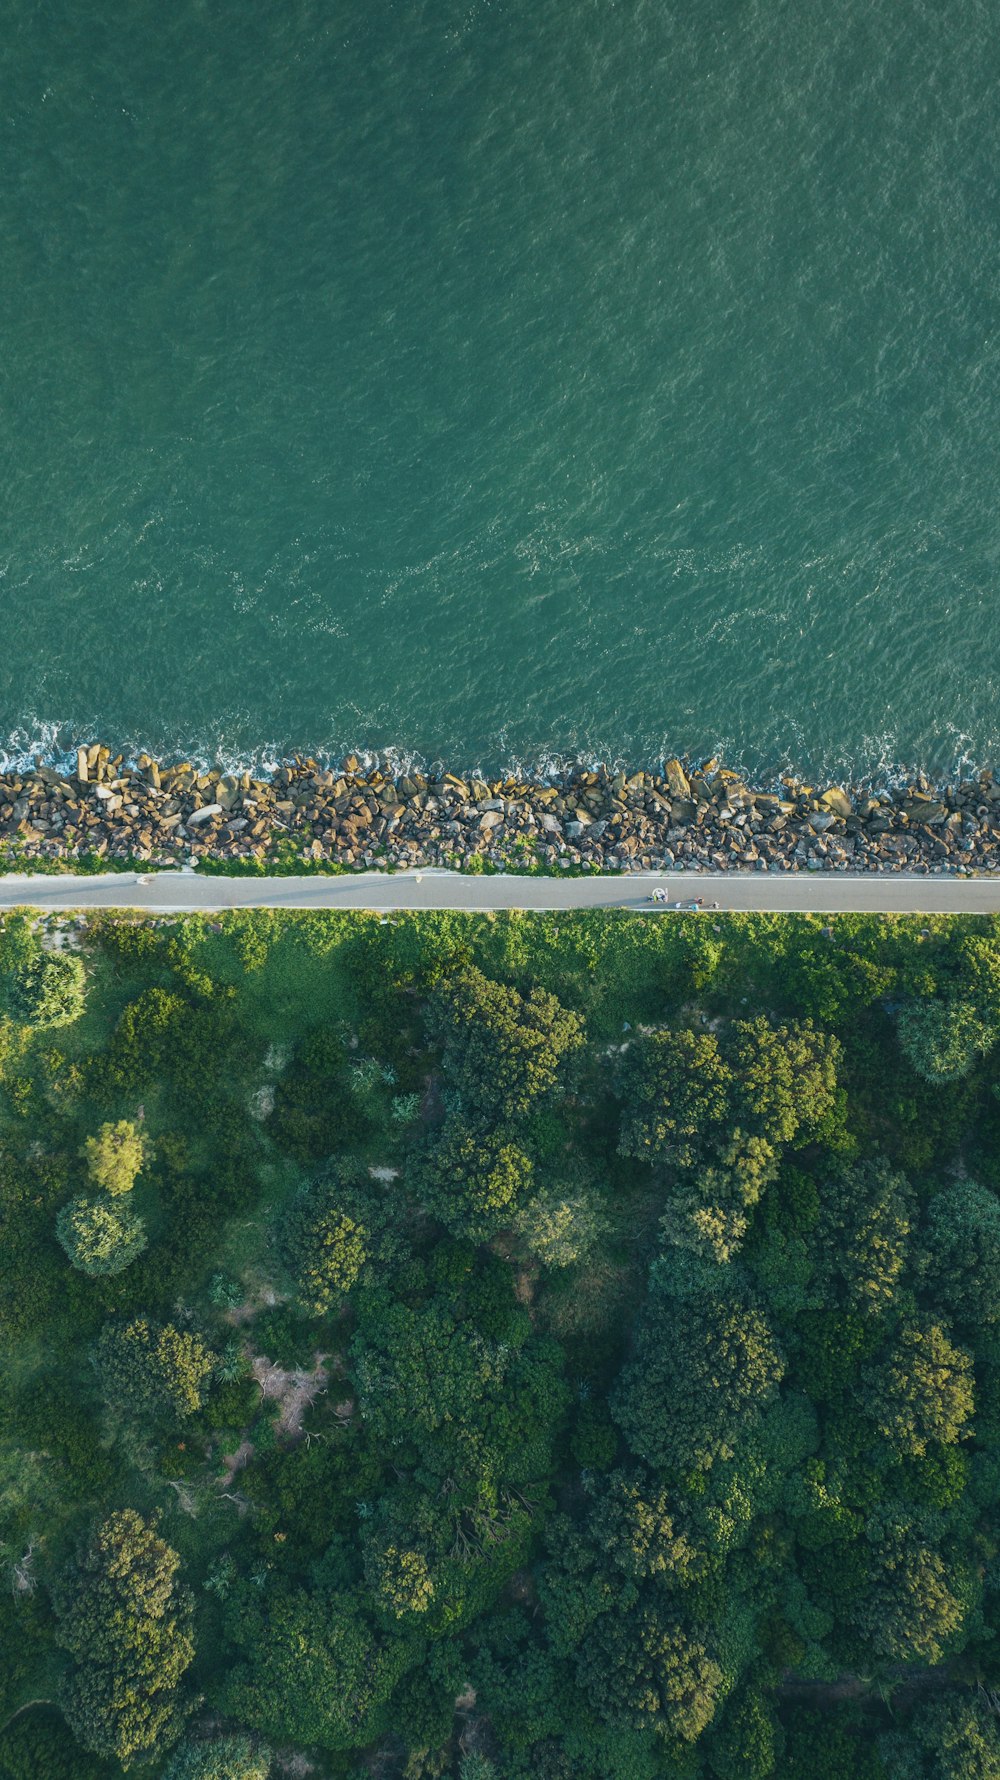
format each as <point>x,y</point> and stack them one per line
<point>501,1346</point>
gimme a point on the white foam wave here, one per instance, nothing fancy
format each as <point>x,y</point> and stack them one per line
<point>50,742</point>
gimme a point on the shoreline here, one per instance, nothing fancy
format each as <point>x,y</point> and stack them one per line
<point>111,812</point>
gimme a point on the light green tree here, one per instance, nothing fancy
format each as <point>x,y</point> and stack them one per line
<point>115,1156</point>
<point>126,1622</point>
<point>923,1390</point>
<point>99,1236</point>
<point>149,1370</point>
<point>400,1579</point>
<point>560,1227</point>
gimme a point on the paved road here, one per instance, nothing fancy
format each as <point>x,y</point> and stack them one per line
<point>823,893</point>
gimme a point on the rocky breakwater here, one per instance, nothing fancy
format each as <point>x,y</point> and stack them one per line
<point>684,817</point>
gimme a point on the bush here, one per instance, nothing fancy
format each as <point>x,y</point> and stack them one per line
<point>224,1758</point>
<point>48,990</point>
<point>942,1039</point>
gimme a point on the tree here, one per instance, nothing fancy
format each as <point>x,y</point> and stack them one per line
<point>399,1579</point>
<point>908,1611</point>
<point>702,1370</point>
<point>474,1179</point>
<point>643,1671</point>
<point>922,1391</point>
<point>748,1744</point>
<point>675,1087</point>
<point>713,1231</point>
<point>99,1236</point>
<point>115,1156</point>
<point>502,1051</point>
<point>560,1227</point>
<point>861,1237</point>
<point>316,1672</point>
<point>950,1738</point>
<point>786,1078</point>
<point>48,989</point>
<point>153,1370</point>
<point>942,1039</point>
<point>224,1758</point>
<point>126,1622</point>
<point>960,1260</point>
<point>36,1745</point>
<point>461,1378</point>
<point>635,1524</point>
<point>325,1245</point>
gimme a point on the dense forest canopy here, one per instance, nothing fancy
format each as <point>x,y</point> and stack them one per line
<point>499,1347</point>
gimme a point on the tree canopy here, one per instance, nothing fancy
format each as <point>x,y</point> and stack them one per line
<point>115,1156</point>
<point>99,1236</point>
<point>126,1622</point>
<point>536,1347</point>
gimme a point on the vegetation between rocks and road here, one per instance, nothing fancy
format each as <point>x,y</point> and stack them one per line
<point>499,1346</point>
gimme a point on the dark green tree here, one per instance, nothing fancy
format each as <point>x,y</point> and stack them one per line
<point>675,1087</point>
<point>474,1179</point>
<point>644,1671</point>
<point>315,1669</point>
<point>702,1370</point>
<point>960,1254</point>
<point>221,1758</point>
<point>502,1051</point>
<point>860,1242</point>
<point>954,1737</point>
<point>909,1610</point>
<point>785,1078</point>
<point>748,1743</point>
<point>325,1239</point>
<point>640,1530</point>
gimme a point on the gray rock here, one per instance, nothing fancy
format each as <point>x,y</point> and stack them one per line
<point>204,814</point>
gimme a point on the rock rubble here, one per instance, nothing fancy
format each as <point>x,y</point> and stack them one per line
<point>694,817</point>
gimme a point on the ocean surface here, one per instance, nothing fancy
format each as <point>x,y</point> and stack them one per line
<point>499,380</point>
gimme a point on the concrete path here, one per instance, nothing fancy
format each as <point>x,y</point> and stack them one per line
<point>822,892</point>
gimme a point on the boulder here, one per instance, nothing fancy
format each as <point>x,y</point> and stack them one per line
<point>207,811</point>
<point>925,809</point>
<point>677,779</point>
<point>837,802</point>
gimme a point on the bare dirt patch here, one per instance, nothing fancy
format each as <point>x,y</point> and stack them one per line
<point>295,1391</point>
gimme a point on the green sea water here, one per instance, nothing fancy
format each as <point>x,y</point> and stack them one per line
<point>502,379</point>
